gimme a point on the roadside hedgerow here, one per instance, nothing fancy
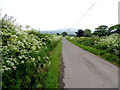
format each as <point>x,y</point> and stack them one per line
<point>25,58</point>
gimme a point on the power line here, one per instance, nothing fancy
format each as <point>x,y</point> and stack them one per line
<point>86,13</point>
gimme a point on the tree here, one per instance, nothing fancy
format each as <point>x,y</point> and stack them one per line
<point>101,31</point>
<point>64,34</point>
<point>115,29</point>
<point>57,33</point>
<point>87,33</point>
<point>80,33</point>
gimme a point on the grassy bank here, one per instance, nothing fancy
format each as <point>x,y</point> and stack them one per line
<point>101,53</point>
<point>53,76</point>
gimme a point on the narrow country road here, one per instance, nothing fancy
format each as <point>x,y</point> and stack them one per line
<point>85,70</point>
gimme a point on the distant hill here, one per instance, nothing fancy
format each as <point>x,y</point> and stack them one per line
<point>70,31</point>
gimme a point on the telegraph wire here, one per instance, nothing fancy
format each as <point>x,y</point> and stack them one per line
<point>85,13</point>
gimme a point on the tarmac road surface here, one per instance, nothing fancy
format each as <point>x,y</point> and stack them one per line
<point>85,70</point>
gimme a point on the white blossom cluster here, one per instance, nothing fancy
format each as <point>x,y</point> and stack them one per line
<point>19,47</point>
<point>110,43</point>
<point>25,54</point>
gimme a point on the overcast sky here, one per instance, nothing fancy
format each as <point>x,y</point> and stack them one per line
<point>55,14</point>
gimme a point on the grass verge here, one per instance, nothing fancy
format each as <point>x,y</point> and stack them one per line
<point>101,53</point>
<point>53,77</point>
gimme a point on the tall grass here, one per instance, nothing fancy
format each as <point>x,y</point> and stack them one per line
<point>53,76</point>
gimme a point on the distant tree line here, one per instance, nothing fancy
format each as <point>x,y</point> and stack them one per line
<point>100,31</point>
<point>63,34</point>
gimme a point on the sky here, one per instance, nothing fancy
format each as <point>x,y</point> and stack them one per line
<point>56,14</point>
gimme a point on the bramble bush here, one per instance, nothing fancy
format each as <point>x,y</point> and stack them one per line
<point>25,59</point>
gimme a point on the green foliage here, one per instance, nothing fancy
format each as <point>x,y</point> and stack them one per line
<point>64,34</point>
<point>88,41</point>
<point>57,33</point>
<point>80,33</point>
<point>101,31</point>
<point>109,43</point>
<point>87,33</point>
<point>53,78</point>
<point>25,55</point>
<point>115,29</point>
<point>107,47</point>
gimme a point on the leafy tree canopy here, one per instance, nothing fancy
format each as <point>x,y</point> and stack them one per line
<point>101,31</point>
<point>64,34</point>
<point>87,33</point>
<point>115,29</point>
<point>80,33</point>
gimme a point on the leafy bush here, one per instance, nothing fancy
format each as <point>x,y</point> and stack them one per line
<point>108,46</point>
<point>109,43</point>
<point>25,55</point>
